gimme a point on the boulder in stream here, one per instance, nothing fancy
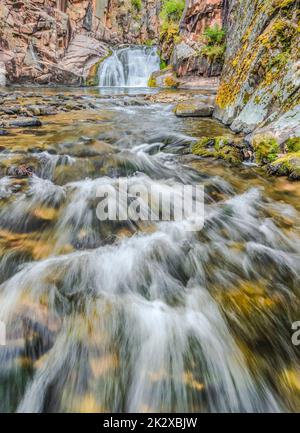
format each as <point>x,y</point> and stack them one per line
<point>193,108</point>
<point>24,122</point>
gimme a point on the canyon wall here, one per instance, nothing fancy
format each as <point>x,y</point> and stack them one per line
<point>187,57</point>
<point>259,91</point>
<point>58,41</point>
<point>200,14</point>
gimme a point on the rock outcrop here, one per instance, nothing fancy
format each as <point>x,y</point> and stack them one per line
<point>58,41</point>
<point>187,57</point>
<point>259,91</point>
<point>200,14</point>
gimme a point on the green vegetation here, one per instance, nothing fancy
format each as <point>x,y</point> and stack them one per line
<point>214,35</point>
<point>163,64</point>
<point>287,165</point>
<point>265,54</point>
<point>218,147</point>
<point>152,81</point>
<point>172,10</point>
<point>170,16</point>
<point>293,144</point>
<point>170,33</point>
<point>93,78</point>
<point>215,43</point>
<point>149,42</point>
<point>213,53</point>
<point>137,5</point>
<point>266,148</point>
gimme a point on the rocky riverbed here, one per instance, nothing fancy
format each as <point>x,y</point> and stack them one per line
<point>141,315</point>
<point>22,110</point>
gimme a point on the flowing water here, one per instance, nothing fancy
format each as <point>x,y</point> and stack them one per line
<point>129,67</point>
<point>138,316</point>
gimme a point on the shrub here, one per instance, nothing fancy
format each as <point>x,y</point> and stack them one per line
<point>172,10</point>
<point>215,46</point>
<point>213,52</point>
<point>293,144</point>
<point>163,64</point>
<point>137,4</point>
<point>214,35</point>
<point>266,148</point>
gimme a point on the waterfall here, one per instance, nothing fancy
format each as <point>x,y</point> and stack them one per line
<point>129,67</point>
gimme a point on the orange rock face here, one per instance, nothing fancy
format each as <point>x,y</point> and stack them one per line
<point>200,14</point>
<point>58,41</point>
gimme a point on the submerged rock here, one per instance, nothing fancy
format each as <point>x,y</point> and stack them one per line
<point>20,171</point>
<point>24,123</point>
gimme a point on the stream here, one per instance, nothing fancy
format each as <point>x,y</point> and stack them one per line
<point>143,316</point>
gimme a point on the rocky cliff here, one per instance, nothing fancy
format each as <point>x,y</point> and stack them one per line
<point>46,41</point>
<point>189,57</point>
<point>200,14</point>
<point>259,91</point>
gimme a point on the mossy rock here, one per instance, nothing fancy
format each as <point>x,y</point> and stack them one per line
<point>266,148</point>
<point>152,81</point>
<point>218,147</point>
<point>165,78</point>
<point>293,144</point>
<point>93,77</point>
<point>287,165</point>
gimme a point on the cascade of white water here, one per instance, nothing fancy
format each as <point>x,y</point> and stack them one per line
<point>148,315</point>
<point>129,67</point>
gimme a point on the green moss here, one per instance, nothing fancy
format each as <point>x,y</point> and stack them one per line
<point>185,106</point>
<point>93,78</point>
<point>149,42</point>
<point>214,35</point>
<point>266,148</point>
<point>217,147</point>
<point>246,98</point>
<point>172,10</point>
<point>230,154</point>
<point>213,52</point>
<point>257,99</point>
<point>293,144</point>
<point>284,3</point>
<point>163,64</point>
<point>221,142</point>
<point>137,5</point>
<point>152,82</point>
<point>264,56</point>
<point>287,165</point>
<point>215,46</point>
